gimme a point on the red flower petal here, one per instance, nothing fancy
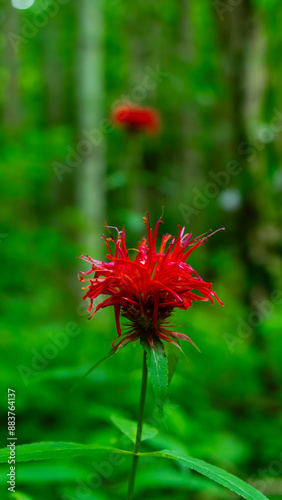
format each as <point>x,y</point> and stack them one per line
<point>136,118</point>
<point>147,289</point>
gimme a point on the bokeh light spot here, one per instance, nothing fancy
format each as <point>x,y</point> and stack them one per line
<point>230,199</point>
<point>22,4</point>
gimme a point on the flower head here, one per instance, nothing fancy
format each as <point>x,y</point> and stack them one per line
<point>136,118</point>
<point>145,290</point>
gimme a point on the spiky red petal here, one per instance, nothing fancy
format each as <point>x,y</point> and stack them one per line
<point>147,289</point>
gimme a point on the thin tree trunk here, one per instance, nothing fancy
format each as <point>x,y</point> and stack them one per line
<point>11,58</point>
<point>237,36</point>
<point>90,173</point>
<point>188,165</point>
<point>138,59</point>
<point>53,71</point>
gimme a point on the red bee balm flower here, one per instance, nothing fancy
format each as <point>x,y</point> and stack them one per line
<point>147,289</point>
<point>136,118</point>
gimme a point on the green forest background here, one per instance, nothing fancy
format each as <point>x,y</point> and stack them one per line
<point>213,71</point>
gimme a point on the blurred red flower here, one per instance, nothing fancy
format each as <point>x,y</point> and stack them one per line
<point>147,289</point>
<point>136,118</point>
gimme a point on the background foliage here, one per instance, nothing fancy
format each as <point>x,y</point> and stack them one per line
<point>214,71</point>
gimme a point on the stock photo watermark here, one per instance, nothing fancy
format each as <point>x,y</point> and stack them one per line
<point>30,27</point>
<point>224,6</point>
<point>246,326</point>
<point>40,359</point>
<point>263,479</point>
<point>102,471</point>
<point>201,198</point>
<point>11,440</point>
<point>93,138</point>
<point>221,180</point>
<point>59,341</point>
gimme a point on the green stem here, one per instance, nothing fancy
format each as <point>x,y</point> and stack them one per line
<point>139,429</point>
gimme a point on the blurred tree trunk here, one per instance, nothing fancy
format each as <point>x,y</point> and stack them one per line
<point>244,84</point>
<point>238,32</point>
<point>188,162</point>
<point>235,32</point>
<point>53,71</point>
<point>11,61</point>
<point>90,181</point>
<point>134,156</point>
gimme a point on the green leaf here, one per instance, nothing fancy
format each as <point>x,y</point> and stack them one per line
<point>218,475</point>
<point>60,450</point>
<point>172,358</point>
<point>20,496</point>
<point>55,450</point>
<point>158,369</point>
<point>129,428</point>
<point>161,476</point>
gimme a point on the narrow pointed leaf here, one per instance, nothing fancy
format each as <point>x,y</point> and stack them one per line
<point>216,474</point>
<point>129,428</point>
<point>55,450</point>
<point>158,370</point>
